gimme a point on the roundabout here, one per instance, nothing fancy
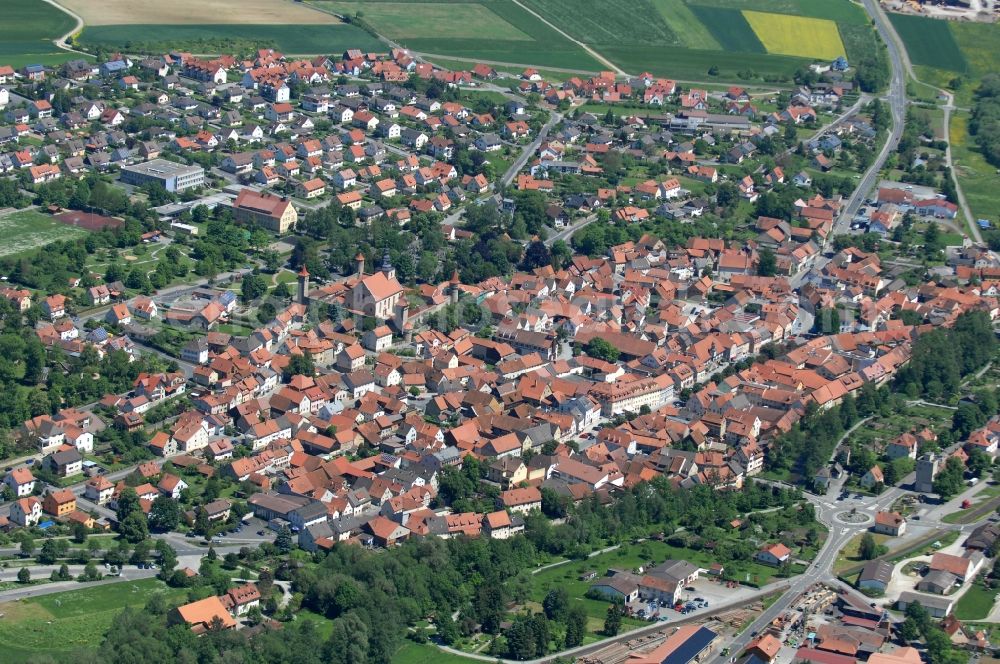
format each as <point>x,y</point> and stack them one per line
<point>853,517</point>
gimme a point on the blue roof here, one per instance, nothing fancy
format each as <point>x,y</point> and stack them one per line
<point>688,650</point>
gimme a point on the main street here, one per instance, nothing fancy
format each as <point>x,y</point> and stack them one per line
<point>896,100</point>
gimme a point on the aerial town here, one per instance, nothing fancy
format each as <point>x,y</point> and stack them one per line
<point>358,358</point>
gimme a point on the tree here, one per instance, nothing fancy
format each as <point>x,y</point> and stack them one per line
<point>300,365</point>
<point>766,263</point>
<point>284,540</point>
<point>49,553</point>
<point>602,350</point>
<point>167,559</point>
<point>556,603</point>
<point>447,630</point>
<point>135,527</point>
<point>79,532</point>
<point>613,620</point>
<point>165,514</point>
<point>909,631</point>
<point>978,463</point>
<point>90,572</point>
<point>252,287</point>
<point>576,626</point>
<point>128,502</point>
<point>27,546</point>
<point>868,550</point>
<point>949,479</point>
<point>24,576</point>
<point>536,255</point>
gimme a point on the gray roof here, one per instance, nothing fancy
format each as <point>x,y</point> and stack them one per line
<point>927,601</point>
<point>876,570</point>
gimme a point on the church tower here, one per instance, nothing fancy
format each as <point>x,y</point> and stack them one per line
<point>303,294</point>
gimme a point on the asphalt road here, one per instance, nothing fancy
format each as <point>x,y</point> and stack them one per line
<point>896,100</point>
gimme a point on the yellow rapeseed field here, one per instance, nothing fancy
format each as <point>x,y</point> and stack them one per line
<point>784,34</point>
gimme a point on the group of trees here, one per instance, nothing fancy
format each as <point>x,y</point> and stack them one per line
<point>985,121</point>
<point>372,598</point>
<point>919,624</point>
<point>943,356</point>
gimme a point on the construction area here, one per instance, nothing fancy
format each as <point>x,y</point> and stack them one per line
<point>983,11</point>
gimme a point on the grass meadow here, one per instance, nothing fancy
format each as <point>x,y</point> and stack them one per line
<point>59,624</point>
<point>25,230</point>
<point>979,180</point>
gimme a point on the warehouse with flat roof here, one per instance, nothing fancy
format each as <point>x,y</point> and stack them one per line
<point>172,176</point>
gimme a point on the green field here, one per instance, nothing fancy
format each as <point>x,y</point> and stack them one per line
<point>536,44</point>
<point>398,20</point>
<point>27,229</point>
<point>607,21</point>
<point>58,624</point>
<point>681,39</point>
<point>27,31</point>
<point>979,180</point>
<point>730,28</point>
<point>292,39</point>
<point>929,42</point>
<point>682,20</point>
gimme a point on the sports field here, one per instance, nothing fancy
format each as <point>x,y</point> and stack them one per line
<point>27,30</point>
<point>291,39</point>
<point>27,229</point>
<point>196,12</point>
<point>796,35</point>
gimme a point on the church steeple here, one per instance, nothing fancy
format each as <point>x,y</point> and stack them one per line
<point>387,269</point>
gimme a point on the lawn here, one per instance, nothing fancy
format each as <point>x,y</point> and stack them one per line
<point>929,42</point>
<point>979,180</point>
<point>398,20</point>
<point>976,603</point>
<point>24,230</point>
<point>797,35</point>
<point>27,31</point>
<point>416,653</point>
<point>848,556</point>
<point>57,624</point>
<point>292,39</point>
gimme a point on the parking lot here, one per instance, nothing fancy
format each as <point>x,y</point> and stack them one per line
<point>702,597</point>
